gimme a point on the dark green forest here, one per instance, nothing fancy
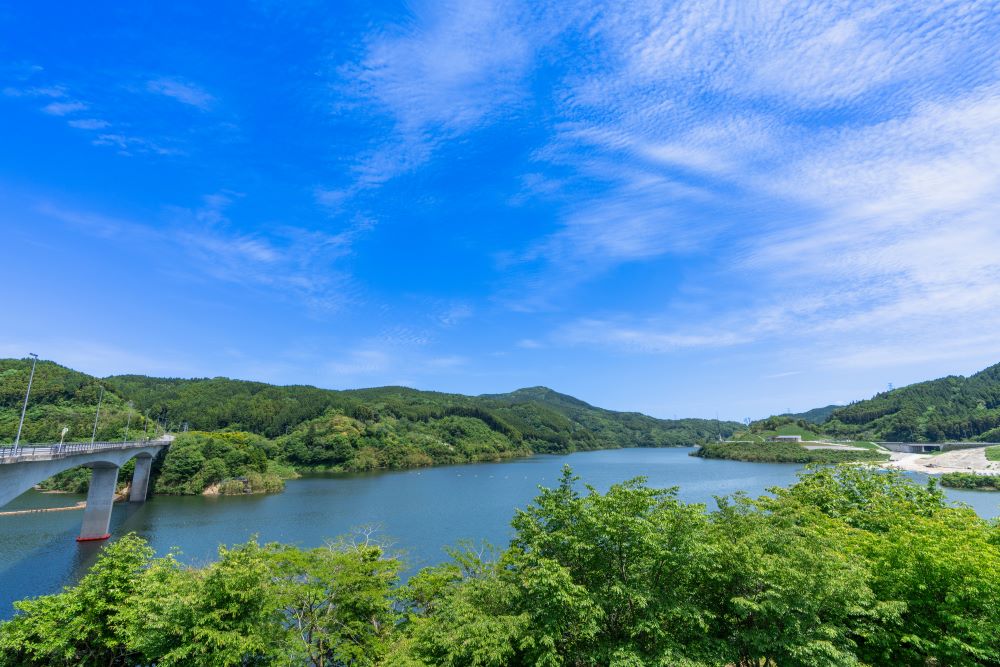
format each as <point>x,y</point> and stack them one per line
<point>536,419</point>
<point>814,416</point>
<point>61,398</point>
<point>949,408</point>
<point>304,427</point>
<point>952,408</point>
<point>847,567</point>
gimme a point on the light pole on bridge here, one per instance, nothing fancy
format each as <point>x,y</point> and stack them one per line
<point>24,408</point>
<point>128,423</point>
<point>97,416</point>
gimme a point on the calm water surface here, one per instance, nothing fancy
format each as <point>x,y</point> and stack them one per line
<point>420,511</point>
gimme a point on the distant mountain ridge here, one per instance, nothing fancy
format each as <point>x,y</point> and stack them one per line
<point>544,419</point>
<point>532,419</point>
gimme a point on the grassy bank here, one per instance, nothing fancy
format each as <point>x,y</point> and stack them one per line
<point>966,480</point>
<point>783,452</point>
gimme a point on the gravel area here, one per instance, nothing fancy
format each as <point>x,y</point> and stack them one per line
<point>961,460</point>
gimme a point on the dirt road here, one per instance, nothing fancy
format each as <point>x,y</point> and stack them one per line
<point>961,460</point>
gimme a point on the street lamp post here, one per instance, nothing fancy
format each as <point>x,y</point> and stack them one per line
<point>97,416</point>
<point>24,408</point>
<point>128,423</point>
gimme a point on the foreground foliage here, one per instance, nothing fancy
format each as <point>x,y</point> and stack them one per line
<point>847,567</point>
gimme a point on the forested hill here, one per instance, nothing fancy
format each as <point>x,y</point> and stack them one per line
<point>60,398</point>
<point>814,416</point>
<point>308,418</point>
<point>949,408</point>
<point>538,418</point>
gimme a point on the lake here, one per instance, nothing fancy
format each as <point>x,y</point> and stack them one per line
<point>419,511</point>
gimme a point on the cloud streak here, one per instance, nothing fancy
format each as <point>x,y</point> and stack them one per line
<point>857,146</point>
<point>292,261</point>
<point>182,91</point>
<point>450,69</point>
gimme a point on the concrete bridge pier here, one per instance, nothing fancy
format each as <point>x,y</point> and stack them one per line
<point>100,501</point>
<point>140,479</point>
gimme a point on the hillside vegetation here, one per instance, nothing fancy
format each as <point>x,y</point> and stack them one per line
<point>814,416</point>
<point>783,452</point>
<point>949,408</point>
<point>60,397</point>
<point>965,480</point>
<point>536,419</point>
<point>310,428</point>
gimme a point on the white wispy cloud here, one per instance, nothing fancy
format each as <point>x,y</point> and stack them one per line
<point>35,91</point>
<point>64,104</point>
<point>449,69</point>
<point>63,108</point>
<point>183,91</point>
<point>362,362</point>
<point>454,313</point>
<point>644,337</point>
<point>128,145</point>
<point>293,262</point>
<point>445,363</point>
<point>863,137</point>
<point>89,124</point>
<point>784,374</point>
<point>453,65</point>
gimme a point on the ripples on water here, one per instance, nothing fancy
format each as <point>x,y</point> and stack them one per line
<point>419,511</point>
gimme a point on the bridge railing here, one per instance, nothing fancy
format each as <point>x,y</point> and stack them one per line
<point>9,454</point>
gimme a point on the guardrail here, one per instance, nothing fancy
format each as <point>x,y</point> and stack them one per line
<point>47,452</point>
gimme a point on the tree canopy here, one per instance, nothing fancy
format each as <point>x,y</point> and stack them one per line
<point>849,566</point>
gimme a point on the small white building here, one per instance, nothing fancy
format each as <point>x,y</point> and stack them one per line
<point>786,438</point>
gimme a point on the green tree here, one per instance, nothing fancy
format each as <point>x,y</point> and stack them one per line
<point>227,614</point>
<point>85,625</point>
<point>336,602</point>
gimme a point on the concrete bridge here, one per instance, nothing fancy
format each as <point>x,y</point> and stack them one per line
<point>23,468</point>
<point>930,447</point>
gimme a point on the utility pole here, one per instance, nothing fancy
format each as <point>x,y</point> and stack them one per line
<point>24,408</point>
<point>97,416</point>
<point>145,430</point>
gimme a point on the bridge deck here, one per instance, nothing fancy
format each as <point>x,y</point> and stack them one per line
<point>52,452</point>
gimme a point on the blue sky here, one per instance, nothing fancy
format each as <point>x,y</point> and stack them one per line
<point>684,208</point>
